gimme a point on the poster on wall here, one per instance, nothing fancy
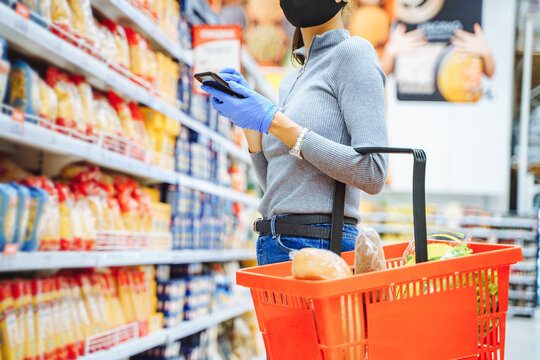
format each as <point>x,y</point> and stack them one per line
<point>216,47</point>
<point>452,61</point>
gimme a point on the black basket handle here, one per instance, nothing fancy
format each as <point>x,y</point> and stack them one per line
<point>418,198</point>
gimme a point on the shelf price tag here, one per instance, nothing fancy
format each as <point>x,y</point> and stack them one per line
<point>16,127</point>
<point>21,22</point>
<point>10,249</point>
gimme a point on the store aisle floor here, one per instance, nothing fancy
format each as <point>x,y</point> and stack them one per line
<point>523,338</point>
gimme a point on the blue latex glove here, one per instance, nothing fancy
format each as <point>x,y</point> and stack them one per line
<point>254,112</point>
<point>231,74</point>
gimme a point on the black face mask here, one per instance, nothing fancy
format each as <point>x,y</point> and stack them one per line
<point>307,13</point>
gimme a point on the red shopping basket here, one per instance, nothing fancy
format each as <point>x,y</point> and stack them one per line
<point>448,309</point>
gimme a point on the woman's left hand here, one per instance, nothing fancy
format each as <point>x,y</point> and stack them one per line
<point>254,112</point>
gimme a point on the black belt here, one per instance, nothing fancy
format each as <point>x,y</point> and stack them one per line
<point>299,225</point>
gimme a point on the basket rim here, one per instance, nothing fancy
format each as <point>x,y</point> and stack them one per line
<point>277,277</point>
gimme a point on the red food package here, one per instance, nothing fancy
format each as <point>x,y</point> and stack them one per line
<point>70,108</point>
<point>138,124</point>
<point>123,112</point>
<point>138,53</point>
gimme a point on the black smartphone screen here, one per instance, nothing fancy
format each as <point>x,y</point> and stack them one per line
<point>214,80</point>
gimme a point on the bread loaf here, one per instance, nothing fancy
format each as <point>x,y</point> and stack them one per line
<point>319,264</point>
<point>369,255</point>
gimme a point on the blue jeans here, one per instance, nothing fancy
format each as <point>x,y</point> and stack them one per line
<point>276,248</point>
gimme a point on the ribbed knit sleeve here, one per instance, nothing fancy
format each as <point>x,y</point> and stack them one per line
<point>359,88</point>
<point>260,164</point>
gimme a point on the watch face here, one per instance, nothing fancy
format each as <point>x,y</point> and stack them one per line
<point>417,11</point>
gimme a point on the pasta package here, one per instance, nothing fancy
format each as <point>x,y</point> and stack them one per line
<point>60,83</point>
<point>138,125</point>
<point>4,68</point>
<point>22,214</point>
<point>90,302</point>
<point>22,292</point>
<point>121,43</point>
<point>60,335</point>
<point>48,101</point>
<point>8,214</point>
<point>66,321</point>
<point>369,254</point>
<point>45,11</point>
<point>11,341</point>
<point>124,114</point>
<point>138,53</point>
<point>35,224</point>
<point>81,320</point>
<point>61,15</point>
<point>65,204</point>
<point>82,20</point>
<point>85,94</point>
<point>23,88</point>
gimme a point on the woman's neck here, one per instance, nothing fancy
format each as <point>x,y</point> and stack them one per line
<point>309,33</point>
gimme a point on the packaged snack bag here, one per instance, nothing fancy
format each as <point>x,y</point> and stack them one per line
<point>65,206</point>
<point>23,88</point>
<point>138,53</point>
<point>121,42</point>
<point>35,224</point>
<point>82,20</point>
<point>65,318</point>
<point>61,15</point>
<point>50,238</point>
<point>23,213</point>
<point>61,83</point>
<point>48,101</point>
<point>85,93</point>
<point>11,341</point>
<point>122,110</point>
<point>8,214</point>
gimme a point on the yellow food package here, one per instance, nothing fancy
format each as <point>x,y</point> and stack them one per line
<point>22,294</point>
<point>91,303</point>
<point>48,101</point>
<point>70,109</point>
<point>23,88</point>
<point>82,20</point>
<point>71,337</point>
<point>8,214</point>
<point>97,291</point>
<point>67,215</point>
<point>116,307</point>
<point>61,14</point>
<point>60,336</point>
<point>85,94</point>
<point>138,53</point>
<point>50,240</point>
<point>42,318</point>
<point>125,294</point>
<point>19,306</point>
<point>81,322</point>
<point>10,333</point>
<point>124,114</point>
<point>121,43</point>
<point>112,320</point>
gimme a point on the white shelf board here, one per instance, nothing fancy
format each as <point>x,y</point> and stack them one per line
<point>523,280</point>
<point>35,41</point>
<point>39,137</point>
<point>124,13</point>
<point>161,337</point>
<point>23,261</point>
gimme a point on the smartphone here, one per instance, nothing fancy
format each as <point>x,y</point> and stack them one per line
<point>214,80</point>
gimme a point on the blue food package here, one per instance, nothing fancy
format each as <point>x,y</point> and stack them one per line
<point>23,89</point>
<point>23,213</point>
<point>34,228</point>
<point>4,68</point>
<point>8,214</point>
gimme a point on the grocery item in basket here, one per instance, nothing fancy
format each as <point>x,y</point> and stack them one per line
<point>87,101</point>
<point>9,326</point>
<point>440,251</point>
<point>369,254</point>
<point>8,214</point>
<point>23,213</point>
<point>318,264</point>
<point>35,225</point>
<point>23,88</point>
<point>48,101</point>
<point>121,43</point>
<point>82,20</point>
<point>61,15</point>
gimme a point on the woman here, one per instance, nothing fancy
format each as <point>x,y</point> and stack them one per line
<point>333,103</point>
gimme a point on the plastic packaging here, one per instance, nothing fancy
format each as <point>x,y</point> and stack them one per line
<point>85,94</point>
<point>318,264</point>
<point>82,20</point>
<point>8,214</point>
<point>48,101</point>
<point>35,224</point>
<point>68,241</point>
<point>440,251</point>
<point>10,332</point>
<point>23,213</point>
<point>138,51</point>
<point>121,42</point>
<point>22,292</point>
<point>4,68</point>
<point>61,15</point>
<point>23,88</point>
<point>62,86</point>
<point>369,255</point>
<point>122,110</point>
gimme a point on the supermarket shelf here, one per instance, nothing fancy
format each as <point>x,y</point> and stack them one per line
<point>524,266</point>
<point>161,337</point>
<point>123,12</point>
<point>23,261</point>
<point>37,136</point>
<point>522,280</point>
<point>527,295</point>
<point>33,40</point>
<point>521,310</point>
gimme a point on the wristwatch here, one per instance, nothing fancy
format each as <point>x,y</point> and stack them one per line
<point>295,150</point>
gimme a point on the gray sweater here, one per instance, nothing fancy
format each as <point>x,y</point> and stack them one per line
<point>339,95</point>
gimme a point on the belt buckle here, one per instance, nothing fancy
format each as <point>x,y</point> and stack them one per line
<point>255,224</point>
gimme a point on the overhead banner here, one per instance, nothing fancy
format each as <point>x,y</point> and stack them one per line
<point>444,69</point>
<point>216,47</point>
